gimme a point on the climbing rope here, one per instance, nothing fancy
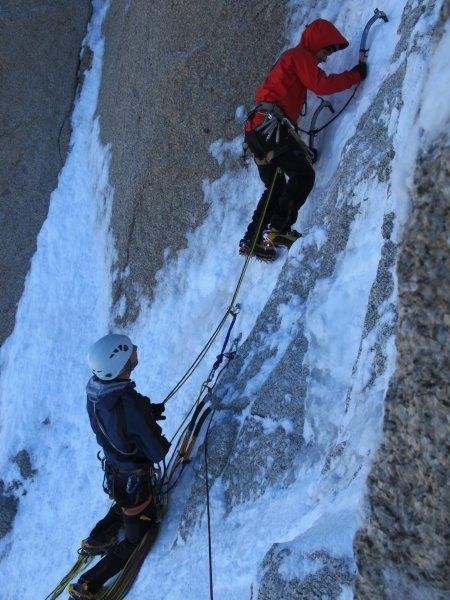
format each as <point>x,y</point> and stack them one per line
<point>312,132</point>
<point>186,441</point>
<point>208,510</point>
<point>216,332</point>
<point>81,563</point>
<point>183,448</point>
<point>234,312</point>
<point>187,438</point>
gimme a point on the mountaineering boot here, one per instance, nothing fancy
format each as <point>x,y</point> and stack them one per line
<point>262,250</point>
<point>104,535</point>
<point>80,591</point>
<point>278,238</point>
<point>100,543</point>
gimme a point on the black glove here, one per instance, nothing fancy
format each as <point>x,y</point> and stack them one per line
<point>361,67</point>
<point>157,410</point>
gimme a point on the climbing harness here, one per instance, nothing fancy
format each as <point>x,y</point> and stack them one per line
<point>274,121</point>
<point>363,51</point>
<point>130,488</point>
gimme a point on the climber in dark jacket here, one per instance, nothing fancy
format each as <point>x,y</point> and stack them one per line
<point>124,423</point>
<point>282,96</point>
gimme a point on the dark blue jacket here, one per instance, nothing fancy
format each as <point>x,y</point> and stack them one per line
<point>133,438</point>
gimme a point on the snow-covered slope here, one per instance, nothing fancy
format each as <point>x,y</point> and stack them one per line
<point>299,410</point>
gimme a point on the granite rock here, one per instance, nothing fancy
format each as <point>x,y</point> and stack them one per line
<point>40,45</point>
<point>174,74</point>
<point>405,545</point>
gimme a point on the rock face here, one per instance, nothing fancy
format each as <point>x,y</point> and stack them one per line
<point>404,547</point>
<point>403,550</point>
<point>39,45</point>
<point>8,493</point>
<point>173,76</point>
<point>8,507</point>
<point>326,582</point>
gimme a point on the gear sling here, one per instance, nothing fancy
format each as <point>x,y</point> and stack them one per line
<point>275,123</point>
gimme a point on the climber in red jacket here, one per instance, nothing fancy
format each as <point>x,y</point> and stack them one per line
<point>270,133</point>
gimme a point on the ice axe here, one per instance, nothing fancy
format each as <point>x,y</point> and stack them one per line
<point>363,51</point>
<point>378,14</point>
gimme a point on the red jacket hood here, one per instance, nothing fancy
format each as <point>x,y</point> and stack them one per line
<point>321,33</point>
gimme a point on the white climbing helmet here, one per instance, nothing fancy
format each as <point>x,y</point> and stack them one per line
<point>109,355</point>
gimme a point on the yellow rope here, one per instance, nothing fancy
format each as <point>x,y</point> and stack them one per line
<point>211,340</point>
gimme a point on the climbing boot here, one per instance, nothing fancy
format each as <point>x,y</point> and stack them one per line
<point>99,544</point>
<point>263,250</point>
<point>80,591</point>
<point>278,238</point>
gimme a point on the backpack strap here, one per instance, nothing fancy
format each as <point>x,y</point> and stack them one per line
<point>120,413</point>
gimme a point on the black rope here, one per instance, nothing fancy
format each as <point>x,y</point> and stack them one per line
<point>173,464</point>
<point>314,132</point>
<point>208,511</point>
<point>234,312</point>
<point>167,481</point>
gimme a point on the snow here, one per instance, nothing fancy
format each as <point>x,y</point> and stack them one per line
<point>435,110</point>
<point>66,305</point>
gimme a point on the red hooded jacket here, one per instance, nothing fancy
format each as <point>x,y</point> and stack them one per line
<point>296,71</point>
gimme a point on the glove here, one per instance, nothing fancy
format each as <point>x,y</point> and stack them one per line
<point>361,67</point>
<point>157,410</point>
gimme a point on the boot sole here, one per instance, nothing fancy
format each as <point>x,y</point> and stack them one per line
<point>262,257</point>
<point>281,240</point>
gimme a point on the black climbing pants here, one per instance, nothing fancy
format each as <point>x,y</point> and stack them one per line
<point>114,561</point>
<point>287,196</point>
<point>110,524</point>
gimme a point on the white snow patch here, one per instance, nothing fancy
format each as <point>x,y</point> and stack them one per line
<point>67,304</point>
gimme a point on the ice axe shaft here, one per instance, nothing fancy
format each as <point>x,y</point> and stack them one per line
<point>378,14</point>
<point>312,129</point>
